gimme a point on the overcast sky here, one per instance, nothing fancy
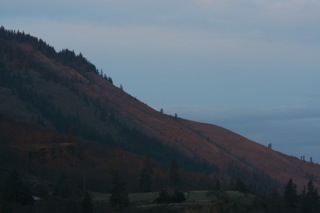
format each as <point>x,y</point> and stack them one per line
<point>251,66</point>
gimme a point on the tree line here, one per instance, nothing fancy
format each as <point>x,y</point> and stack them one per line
<point>67,57</point>
<point>306,202</point>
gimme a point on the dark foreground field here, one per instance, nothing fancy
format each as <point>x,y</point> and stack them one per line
<point>197,201</point>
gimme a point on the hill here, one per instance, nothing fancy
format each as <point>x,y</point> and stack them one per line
<point>59,114</point>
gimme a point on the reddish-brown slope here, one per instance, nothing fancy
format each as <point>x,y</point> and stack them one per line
<point>276,164</point>
<point>211,143</point>
<point>167,128</point>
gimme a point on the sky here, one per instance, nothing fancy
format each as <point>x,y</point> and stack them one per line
<point>251,66</point>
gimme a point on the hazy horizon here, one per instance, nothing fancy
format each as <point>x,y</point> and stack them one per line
<point>249,66</point>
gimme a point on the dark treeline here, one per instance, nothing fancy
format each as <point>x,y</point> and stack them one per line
<point>67,57</point>
<point>291,201</point>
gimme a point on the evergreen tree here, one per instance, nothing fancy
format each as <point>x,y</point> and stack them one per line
<point>119,196</point>
<point>145,180</point>
<point>241,186</point>
<point>290,195</point>
<point>175,177</point>
<point>310,199</point>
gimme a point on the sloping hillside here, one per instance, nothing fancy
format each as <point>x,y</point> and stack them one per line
<point>65,93</point>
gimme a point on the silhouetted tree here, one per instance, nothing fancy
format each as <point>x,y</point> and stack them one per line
<point>145,180</point>
<point>310,199</point>
<point>290,195</point>
<point>241,186</point>
<point>119,196</point>
<point>175,177</point>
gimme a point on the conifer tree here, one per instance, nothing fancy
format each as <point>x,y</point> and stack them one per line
<point>310,199</point>
<point>241,186</point>
<point>145,180</point>
<point>175,177</point>
<point>119,196</point>
<point>290,195</point>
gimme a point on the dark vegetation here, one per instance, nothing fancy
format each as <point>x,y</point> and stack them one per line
<point>293,201</point>
<point>62,152</point>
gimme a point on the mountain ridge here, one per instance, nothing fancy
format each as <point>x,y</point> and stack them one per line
<point>64,91</point>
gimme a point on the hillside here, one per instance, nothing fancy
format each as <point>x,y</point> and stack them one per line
<point>58,107</point>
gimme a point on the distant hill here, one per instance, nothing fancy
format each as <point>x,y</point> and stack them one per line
<point>58,113</point>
